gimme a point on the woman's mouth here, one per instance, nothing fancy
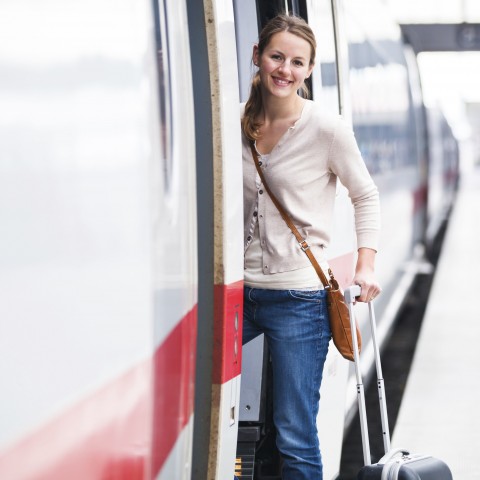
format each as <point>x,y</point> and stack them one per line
<point>281,82</point>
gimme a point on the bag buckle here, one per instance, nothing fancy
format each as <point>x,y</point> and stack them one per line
<point>304,245</point>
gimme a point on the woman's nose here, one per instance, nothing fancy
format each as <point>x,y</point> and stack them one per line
<point>284,67</point>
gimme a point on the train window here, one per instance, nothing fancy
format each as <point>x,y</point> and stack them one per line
<point>325,79</point>
<point>267,9</point>
<point>379,85</point>
<point>164,94</point>
<point>246,35</point>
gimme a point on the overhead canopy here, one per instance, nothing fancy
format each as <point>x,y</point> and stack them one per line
<point>443,37</point>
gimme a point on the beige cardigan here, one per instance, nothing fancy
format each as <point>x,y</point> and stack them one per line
<point>302,173</point>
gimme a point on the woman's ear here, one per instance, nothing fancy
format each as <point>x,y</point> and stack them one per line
<point>255,56</point>
<point>310,70</point>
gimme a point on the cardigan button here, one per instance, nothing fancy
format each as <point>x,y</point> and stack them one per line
<point>260,192</point>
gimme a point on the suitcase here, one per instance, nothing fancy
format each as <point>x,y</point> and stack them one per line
<point>399,463</point>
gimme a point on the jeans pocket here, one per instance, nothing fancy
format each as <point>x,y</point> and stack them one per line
<point>308,295</point>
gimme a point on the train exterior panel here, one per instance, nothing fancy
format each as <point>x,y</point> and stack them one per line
<point>99,282</point>
<point>384,116</point>
<point>443,170</point>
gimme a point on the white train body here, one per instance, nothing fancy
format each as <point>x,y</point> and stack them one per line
<point>121,250</point>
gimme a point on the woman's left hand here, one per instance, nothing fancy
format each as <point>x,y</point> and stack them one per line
<point>365,275</point>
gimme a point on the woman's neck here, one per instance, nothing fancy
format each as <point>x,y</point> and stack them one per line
<point>276,109</point>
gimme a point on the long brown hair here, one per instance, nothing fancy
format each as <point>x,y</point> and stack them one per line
<point>278,24</point>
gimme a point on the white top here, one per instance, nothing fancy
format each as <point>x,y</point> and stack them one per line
<point>302,171</point>
<point>302,278</point>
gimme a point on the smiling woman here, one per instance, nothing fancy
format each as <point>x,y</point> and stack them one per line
<point>302,151</point>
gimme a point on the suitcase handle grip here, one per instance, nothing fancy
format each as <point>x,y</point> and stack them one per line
<point>352,292</point>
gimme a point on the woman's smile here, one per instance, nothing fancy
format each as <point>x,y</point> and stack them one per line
<point>281,82</point>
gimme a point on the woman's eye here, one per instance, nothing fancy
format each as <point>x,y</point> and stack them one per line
<point>298,63</point>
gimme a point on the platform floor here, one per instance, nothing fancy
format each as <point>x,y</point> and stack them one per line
<point>440,410</point>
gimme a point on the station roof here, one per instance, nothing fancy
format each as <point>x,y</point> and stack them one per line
<point>443,37</point>
<point>439,25</point>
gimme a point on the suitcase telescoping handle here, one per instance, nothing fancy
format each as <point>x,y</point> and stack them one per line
<point>350,294</point>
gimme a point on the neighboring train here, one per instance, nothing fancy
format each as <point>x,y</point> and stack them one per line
<point>121,212</point>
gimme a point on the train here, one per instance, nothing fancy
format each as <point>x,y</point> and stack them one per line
<point>121,211</point>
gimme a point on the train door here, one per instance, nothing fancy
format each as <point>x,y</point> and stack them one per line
<point>174,249</point>
<point>220,220</point>
<point>257,456</point>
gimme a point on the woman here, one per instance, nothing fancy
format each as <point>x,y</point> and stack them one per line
<point>302,151</point>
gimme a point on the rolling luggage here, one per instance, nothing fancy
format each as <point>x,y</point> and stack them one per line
<point>396,464</point>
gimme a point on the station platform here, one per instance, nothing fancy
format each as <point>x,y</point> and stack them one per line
<point>440,410</point>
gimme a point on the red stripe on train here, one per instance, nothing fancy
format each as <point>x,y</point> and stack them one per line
<point>420,198</point>
<point>104,436</point>
<point>174,388</point>
<point>110,434</point>
<point>227,335</point>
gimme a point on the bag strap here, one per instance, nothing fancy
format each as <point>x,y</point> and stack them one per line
<point>301,241</point>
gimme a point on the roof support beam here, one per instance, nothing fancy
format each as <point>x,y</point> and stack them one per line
<point>443,37</point>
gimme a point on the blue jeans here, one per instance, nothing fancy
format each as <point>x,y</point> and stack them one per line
<point>297,330</point>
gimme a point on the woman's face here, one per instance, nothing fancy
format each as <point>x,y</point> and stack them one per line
<point>284,64</point>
